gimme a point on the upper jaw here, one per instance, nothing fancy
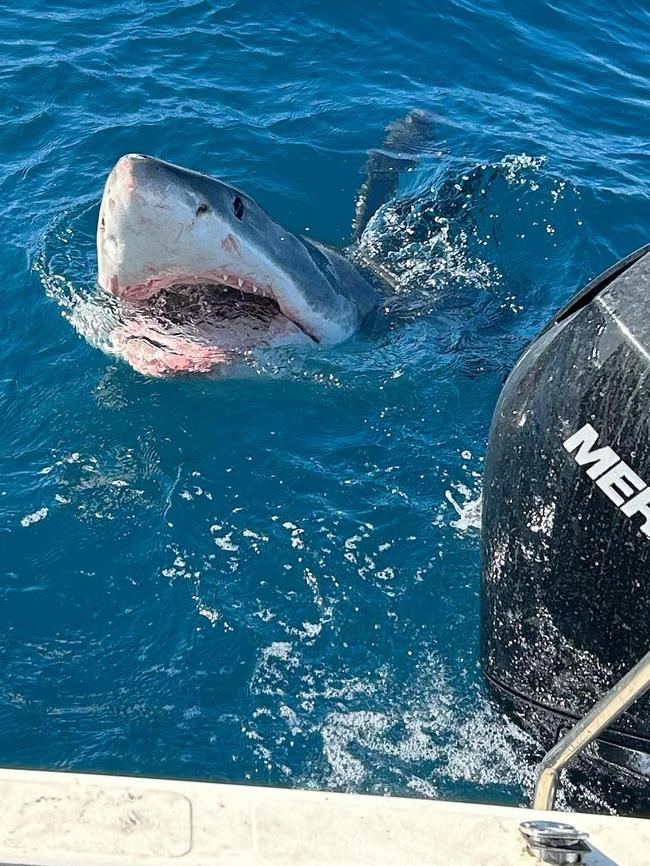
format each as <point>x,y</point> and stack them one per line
<point>149,288</point>
<point>271,283</point>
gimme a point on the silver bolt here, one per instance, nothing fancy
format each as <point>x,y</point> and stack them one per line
<point>554,842</point>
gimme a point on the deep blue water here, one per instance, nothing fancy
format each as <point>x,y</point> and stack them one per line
<point>268,578</point>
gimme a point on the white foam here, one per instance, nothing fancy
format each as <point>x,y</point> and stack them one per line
<point>468,511</point>
<point>34,517</point>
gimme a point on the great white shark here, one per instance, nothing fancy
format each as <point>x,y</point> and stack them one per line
<point>207,275</point>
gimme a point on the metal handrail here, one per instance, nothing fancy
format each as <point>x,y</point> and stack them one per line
<point>630,687</point>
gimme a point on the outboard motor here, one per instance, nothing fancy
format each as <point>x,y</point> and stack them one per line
<point>566,521</point>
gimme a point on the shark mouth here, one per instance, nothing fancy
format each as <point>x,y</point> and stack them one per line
<point>192,325</point>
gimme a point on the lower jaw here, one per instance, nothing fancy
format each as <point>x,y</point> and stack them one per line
<point>179,357</point>
<point>195,329</point>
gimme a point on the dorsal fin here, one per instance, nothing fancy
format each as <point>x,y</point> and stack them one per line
<point>404,141</point>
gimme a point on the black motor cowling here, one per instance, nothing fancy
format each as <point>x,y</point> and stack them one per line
<point>566,518</point>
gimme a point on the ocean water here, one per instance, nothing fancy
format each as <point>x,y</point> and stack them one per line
<point>274,577</point>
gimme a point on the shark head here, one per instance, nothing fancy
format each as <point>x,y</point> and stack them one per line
<point>161,226</point>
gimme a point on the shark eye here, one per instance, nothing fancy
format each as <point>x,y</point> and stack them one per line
<point>238,208</point>
<point>202,208</point>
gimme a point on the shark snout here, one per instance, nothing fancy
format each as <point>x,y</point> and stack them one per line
<point>125,167</point>
<point>159,223</point>
<point>139,179</point>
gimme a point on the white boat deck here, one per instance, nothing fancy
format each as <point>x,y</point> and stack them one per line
<point>67,818</point>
